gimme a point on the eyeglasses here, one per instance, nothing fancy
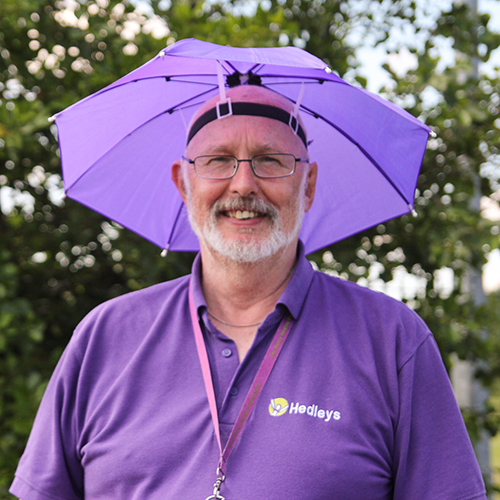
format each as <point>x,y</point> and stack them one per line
<point>268,166</point>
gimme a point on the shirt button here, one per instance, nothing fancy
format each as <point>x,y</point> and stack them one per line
<point>227,352</point>
<point>233,391</point>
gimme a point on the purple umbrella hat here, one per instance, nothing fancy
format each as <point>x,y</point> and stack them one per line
<point>118,144</point>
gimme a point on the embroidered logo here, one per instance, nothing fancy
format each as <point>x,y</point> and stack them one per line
<point>278,407</point>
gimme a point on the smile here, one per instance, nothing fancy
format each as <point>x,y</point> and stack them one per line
<point>242,214</point>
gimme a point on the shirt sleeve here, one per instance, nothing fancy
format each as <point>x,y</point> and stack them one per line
<point>434,458</point>
<point>50,467</point>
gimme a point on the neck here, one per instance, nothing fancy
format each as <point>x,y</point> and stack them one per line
<point>243,287</point>
<point>244,293</point>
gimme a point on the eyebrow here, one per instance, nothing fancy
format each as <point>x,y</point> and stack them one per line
<point>260,149</point>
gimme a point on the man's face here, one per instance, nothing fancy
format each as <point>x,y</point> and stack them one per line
<point>246,218</point>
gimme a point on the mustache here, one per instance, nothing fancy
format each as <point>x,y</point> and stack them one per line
<point>242,203</point>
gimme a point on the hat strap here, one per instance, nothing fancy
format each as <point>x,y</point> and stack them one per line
<point>295,113</point>
<point>222,92</point>
<point>248,109</point>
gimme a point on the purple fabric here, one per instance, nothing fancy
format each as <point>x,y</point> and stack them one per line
<point>371,414</point>
<point>117,145</point>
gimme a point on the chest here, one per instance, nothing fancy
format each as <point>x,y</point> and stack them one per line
<point>317,430</point>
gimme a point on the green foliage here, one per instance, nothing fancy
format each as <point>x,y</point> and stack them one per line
<point>58,259</point>
<point>468,31</point>
<point>21,332</point>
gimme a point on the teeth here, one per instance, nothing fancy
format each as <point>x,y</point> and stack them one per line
<point>243,214</point>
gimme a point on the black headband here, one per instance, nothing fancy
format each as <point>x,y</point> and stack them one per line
<point>247,109</point>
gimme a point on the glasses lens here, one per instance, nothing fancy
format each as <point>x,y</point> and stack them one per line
<point>215,167</point>
<point>273,165</point>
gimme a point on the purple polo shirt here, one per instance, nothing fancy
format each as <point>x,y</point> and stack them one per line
<point>358,406</point>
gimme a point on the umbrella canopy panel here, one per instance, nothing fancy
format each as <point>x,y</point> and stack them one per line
<point>117,146</point>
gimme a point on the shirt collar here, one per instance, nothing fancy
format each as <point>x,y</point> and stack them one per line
<point>295,293</point>
<point>198,297</point>
<point>293,297</point>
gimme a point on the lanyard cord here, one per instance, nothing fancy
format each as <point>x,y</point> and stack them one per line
<point>258,383</point>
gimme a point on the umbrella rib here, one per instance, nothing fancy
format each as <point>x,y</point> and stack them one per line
<point>169,111</point>
<point>126,226</point>
<point>109,89</point>
<point>177,78</point>
<point>234,68</point>
<point>174,225</point>
<point>363,150</point>
<point>230,65</point>
<point>162,77</point>
<point>345,134</point>
<point>258,66</point>
<point>349,138</point>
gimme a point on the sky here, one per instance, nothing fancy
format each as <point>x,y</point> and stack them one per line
<point>371,58</point>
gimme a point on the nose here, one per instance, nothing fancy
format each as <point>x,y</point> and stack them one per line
<point>244,181</point>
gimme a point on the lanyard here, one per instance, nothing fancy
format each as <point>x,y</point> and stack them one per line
<point>258,383</point>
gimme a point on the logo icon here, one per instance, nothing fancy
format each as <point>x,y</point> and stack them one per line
<point>278,407</point>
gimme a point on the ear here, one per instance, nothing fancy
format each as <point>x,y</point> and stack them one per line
<point>178,178</point>
<point>310,185</point>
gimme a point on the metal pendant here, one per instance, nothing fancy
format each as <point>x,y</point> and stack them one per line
<point>220,479</point>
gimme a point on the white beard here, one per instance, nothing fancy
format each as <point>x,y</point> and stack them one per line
<point>252,250</point>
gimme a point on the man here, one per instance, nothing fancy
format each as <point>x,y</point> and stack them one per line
<point>357,405</point>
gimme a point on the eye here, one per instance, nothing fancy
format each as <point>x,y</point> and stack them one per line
<point>215,162</point>
<point>268,159</point>
<point>270,162</point>
<point>219,161</point>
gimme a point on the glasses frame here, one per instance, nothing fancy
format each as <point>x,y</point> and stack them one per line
<point>239,160</point>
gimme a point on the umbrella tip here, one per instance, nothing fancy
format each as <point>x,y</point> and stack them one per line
<point>164,252</point>
<point>412,211</point>
<point>433,134</point>
<point>52,118</point>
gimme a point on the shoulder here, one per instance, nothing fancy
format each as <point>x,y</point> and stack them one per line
<point>368,317</point>
<point>125,320</point>
<point>149,300</point>
<point>354,296</point>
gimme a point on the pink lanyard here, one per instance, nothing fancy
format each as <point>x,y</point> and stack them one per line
<point>258,383</point>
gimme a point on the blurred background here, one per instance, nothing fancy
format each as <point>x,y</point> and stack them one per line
<point>439,60</point>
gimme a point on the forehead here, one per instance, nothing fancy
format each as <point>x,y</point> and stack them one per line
<point>257,132</point>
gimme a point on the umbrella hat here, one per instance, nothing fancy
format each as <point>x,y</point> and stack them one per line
<point>118,144</point>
